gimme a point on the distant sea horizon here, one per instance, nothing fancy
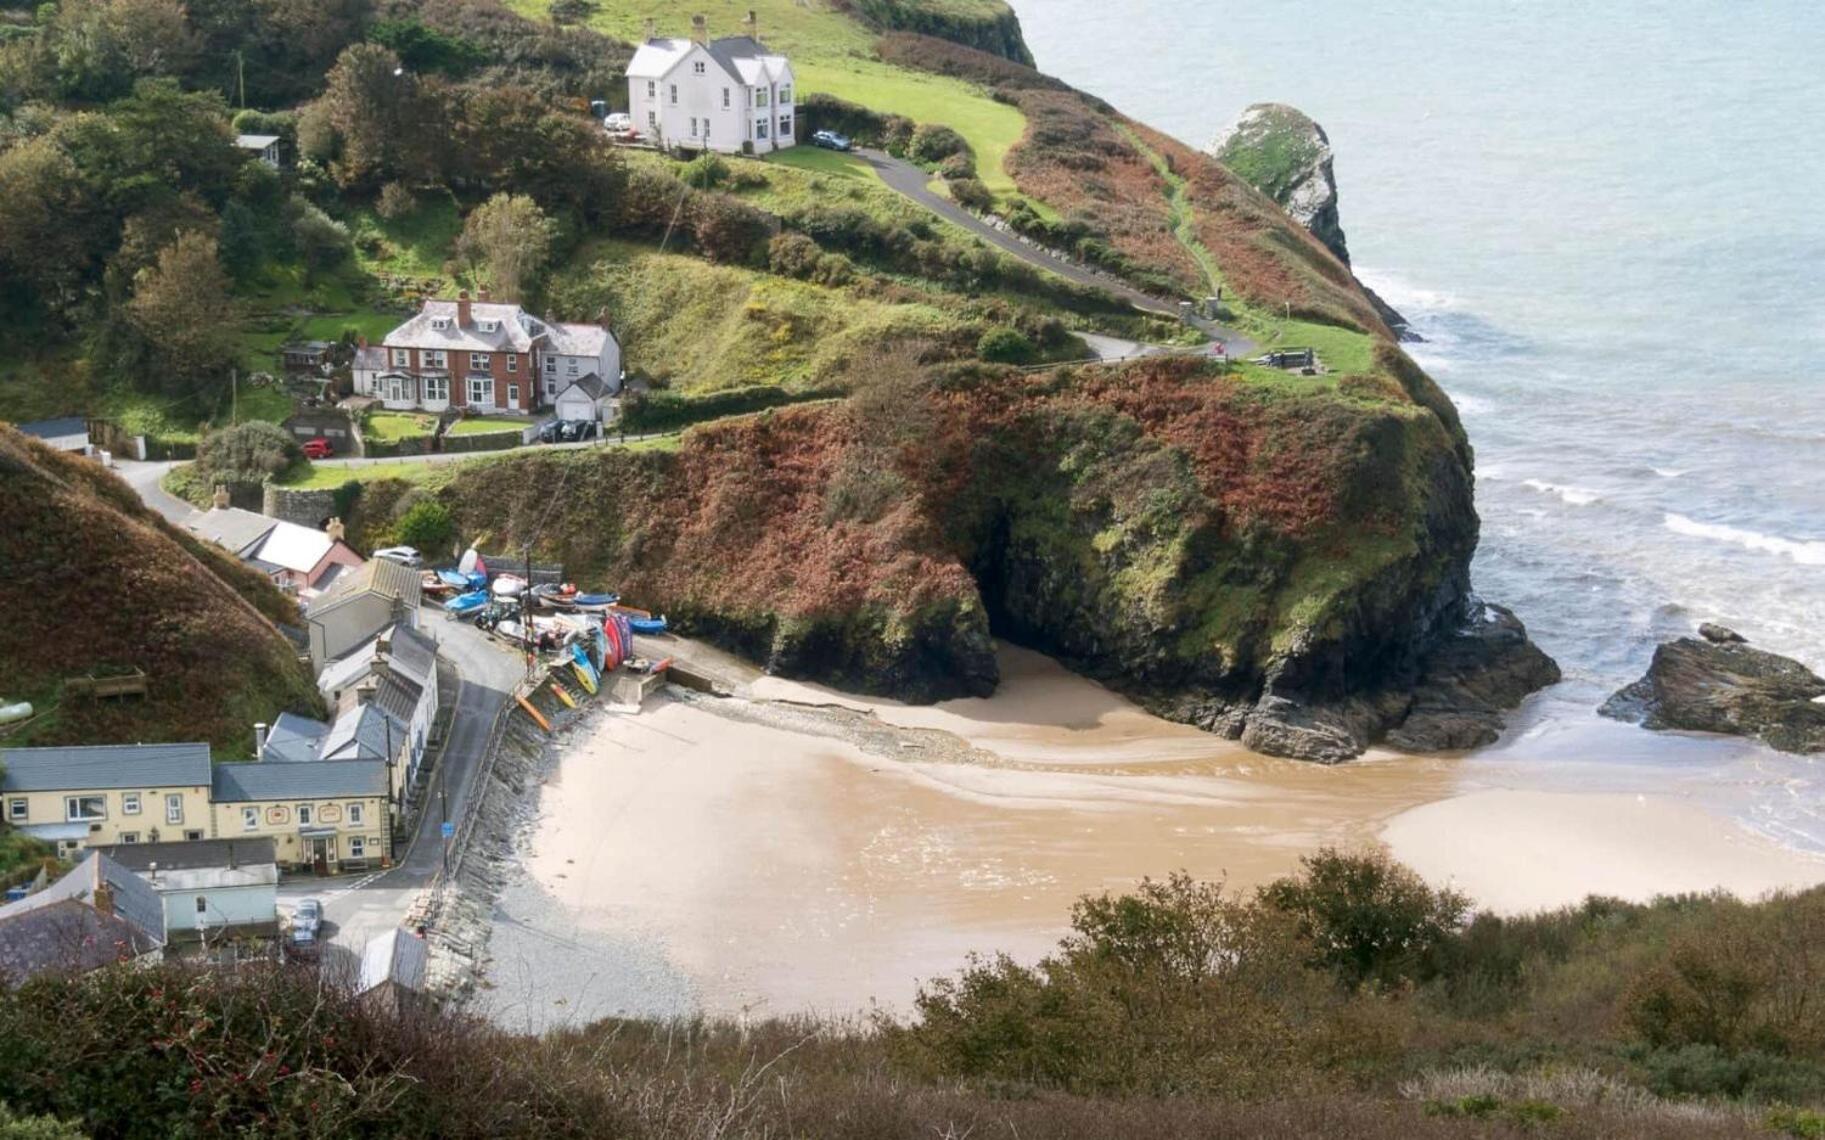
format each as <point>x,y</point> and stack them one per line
<point>1600,219</point>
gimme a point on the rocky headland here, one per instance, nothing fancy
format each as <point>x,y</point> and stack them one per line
<point>1282,152</point>
<point>1718,682</point>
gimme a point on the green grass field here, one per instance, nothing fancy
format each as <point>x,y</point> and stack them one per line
<point>820,161</point>
<point>417,245</point>
<point>487,425</point>
<point>391,427</point>
<point>306,475</point>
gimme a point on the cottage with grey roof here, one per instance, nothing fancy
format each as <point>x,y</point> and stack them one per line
<point>483,356</point>
<point>93,795</point>
<point>326,815</point>
<point>98,914</point>
<point>211,888</point>
<point>731,94</point>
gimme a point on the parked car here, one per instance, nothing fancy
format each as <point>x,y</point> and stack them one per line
<point>618,123</point>
<point>306,924</point>
<point>404,555</point>
<point>830,140</point>
<point>551,431</point>
<point>318,448</point>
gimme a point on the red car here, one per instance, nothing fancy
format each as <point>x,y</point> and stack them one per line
<point>318,448</point>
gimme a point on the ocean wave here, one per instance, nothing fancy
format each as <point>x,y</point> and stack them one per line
<point>1571,496</point>
<point>1668,472</point>
<point>1805,553</point>
<point>1405,296</point>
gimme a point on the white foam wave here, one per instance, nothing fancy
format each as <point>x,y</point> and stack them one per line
<point>1470,405</point>
<point>1668,472</point>
<point>1805,553</point>
<point>1404,295</point>
<point>1572,496</point>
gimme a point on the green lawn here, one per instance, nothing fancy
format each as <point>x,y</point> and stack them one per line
<point>307,475</point>
<point>992,128</point>
<point>487,425</point>
<point>820,161</point>
<point>417,245</point>
<point>263,402</point>
<point>390,427</point>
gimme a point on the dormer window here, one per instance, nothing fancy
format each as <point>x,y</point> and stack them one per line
<point>488,326</point>
<point>441,324</point>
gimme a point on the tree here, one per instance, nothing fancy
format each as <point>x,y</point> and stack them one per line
<point>508,239</point>
<point>182,309</point>
<point>427,525</point>
<point>322,241</point>
<point>1003,345</point>
<point>49,232</point>
<point>1367,918</point>
<point>245,453</point>
<point>101,46</point>
<point>385,124</point>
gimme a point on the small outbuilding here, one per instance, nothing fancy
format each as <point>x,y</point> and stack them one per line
<point>68,433</point>
<point>265,146</point>
<point>210,888</point>
<point>583,399</point>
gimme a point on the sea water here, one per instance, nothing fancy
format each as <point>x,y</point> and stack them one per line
<point>1605,221</point>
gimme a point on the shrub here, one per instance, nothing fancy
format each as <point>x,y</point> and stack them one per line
<point>728,230</point>
<point>245,453</point>
<point>972,195</point>
<point>1002,345</point>
<point>959,165</point>
<point>396,201</point>
<point>793,255</point>
<point>820,112</point>
<point>934,142</point>
<point>427,524</point>
<point>1367,918</point>
<point>707,171</point>
<point>833,269</point>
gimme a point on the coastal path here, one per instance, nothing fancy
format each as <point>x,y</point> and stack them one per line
<point>912,182</point>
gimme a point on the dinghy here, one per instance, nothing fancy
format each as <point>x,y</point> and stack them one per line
<point>465,604</point>
<point>647,625</point>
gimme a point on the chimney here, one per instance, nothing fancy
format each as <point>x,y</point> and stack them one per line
<point>379,667</point>
<point>361,340</point>
<point>383,644</point>
<point>336,530</point>
<point>462,309</point>
<point>364,692</point>
<point>652,28</point>
<point>481,294</point>
<point>259,740</point>
<point>220,498</point>
<point>700,28</point>
<point>103,899</point>
<point>751,25</point>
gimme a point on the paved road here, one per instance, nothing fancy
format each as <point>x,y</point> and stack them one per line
<point>909,180</point>
<point>143,478</point>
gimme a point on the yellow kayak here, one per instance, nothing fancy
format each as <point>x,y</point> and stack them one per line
<point>563,693</point>
<point>583,678</point>
<point>535,714</point>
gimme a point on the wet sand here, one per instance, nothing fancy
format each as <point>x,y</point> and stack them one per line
<point>1516,851</point>
<point>794,849</point>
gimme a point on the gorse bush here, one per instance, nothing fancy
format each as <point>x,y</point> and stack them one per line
<point>245,453</point>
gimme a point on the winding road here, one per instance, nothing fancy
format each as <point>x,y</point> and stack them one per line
<point>912,182</point>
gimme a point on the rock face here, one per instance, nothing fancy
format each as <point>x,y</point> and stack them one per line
<point>1282,152</point>
<point>1288,570</point>
<point>1721,684</point>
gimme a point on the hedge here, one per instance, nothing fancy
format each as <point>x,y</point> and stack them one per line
<point>668,411</point>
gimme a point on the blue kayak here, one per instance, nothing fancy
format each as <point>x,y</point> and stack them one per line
<point>461,581</point>
<point>646,625</point>
<point>467,603</point>
<point>596,599</point>
<point>581,656</point>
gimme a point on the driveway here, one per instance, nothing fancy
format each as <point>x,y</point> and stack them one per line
<point>912,182</point>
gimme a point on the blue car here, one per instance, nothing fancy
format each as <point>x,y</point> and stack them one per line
<point>830,140</point>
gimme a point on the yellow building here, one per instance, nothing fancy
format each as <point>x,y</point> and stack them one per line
<point>322,815</point>
<point>105,794</point>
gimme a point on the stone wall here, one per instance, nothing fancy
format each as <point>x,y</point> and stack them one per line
<point>306,508</point>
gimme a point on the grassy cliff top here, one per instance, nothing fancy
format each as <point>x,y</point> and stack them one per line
<point>96,583</point>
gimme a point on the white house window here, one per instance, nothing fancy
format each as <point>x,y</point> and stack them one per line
<point>551,387</point>
<point>304,813</point>
<point>478,361</point>
<point>652,88</point>
<point>513,362</point>
<point>760,129</point>
<point>551,364</point>
<point>441,324</point>
<point>401,358</point>
<point>513,395</point>
<point>785,93</point>
<point>129,837</point>
<point>202,905</point>
<point>674,94</point>
<point>785,126</point>
<point>193,836</point>
<point>434,359</point>
<point>129,803</point>
<point>250,819</point>
<point>693,126</point>
<point>18,809</point>
<point>761,96</point>
<point>355,813</point>
<point>652,120</point>
<point>78,809</point>
<point>174,808</point>
<point>571,367</point>
<point>697,67</point>
<point>358,848</point>
<point>481,390</point>
<point>725,98</point>
<point>397,388</point>
<point>437,388</point>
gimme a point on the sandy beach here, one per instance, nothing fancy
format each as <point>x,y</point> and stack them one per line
<point>793,849</point>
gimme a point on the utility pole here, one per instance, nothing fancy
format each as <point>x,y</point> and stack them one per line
<point>526,614</point>
<point>240,73</point>
<point>234,395</point>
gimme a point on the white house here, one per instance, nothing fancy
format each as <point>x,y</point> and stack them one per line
<point>730,95</point>
<point>266,146</point>
<point>209,887</point>
<point>584,398</point>
<point>481,355</point>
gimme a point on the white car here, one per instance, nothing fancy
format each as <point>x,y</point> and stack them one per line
<point>618,123</point>
<point>404,555</point>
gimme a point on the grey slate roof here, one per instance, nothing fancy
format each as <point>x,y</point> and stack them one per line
<point>326,779</point>
<point>293,739</point>
<point>53,429</point>
<point>231,528</point>
<point>379,575</point>
<point>105,766</point>
<point>139,857</point>
<point>591,386</point>
<point>362,733</point>
<point>413,654</point>
<point>59,928</point>
<point>398,956</point>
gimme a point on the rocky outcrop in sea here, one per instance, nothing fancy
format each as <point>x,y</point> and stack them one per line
<point>1282,152</point>
<point>1718,682</point>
